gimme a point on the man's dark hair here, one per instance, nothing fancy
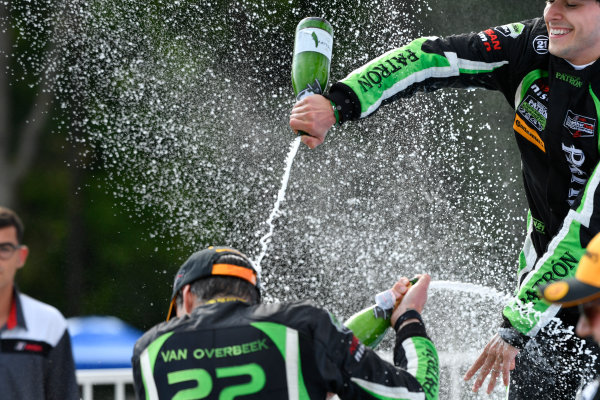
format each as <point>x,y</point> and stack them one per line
<point>9,218</point>
<point>222,286</point>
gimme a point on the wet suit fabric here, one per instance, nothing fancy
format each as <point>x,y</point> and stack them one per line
<point>591,391</point>
<point>277,351</point>
<point>556,128</point>
<point>36,361</point>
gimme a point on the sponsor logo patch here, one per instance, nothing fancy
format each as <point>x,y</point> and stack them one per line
<point>539,226</point>
<point>390,65</point>
<point>511,30</point>
<point>357,349</point>
<point>570,79</point>
<point>540,44</point>
<point>482,36</point>
<point>534,112</point>
<point>540,92</point>
<point>579,125</point>
<point>25,346</point>
<point>575,159</point>
<point>494,43</point>
<point>561,268</point>
<point>528,133</point>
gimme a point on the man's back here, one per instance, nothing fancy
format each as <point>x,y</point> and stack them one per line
<point>290,350</point>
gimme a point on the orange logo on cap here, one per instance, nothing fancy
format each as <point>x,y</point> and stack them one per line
<point>556,291</point>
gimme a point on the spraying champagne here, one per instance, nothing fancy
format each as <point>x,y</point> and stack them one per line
<point>310,74</point>
<point>313,47</point>
<point>371,324</point>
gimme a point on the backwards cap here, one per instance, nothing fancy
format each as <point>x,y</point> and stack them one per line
<point>584,287</point>
<point>222,261</point>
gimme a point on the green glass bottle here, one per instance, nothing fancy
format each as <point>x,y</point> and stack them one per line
<point>371,324</point>
<point>313,47</point>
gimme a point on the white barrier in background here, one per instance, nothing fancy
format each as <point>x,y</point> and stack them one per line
<point>119,377</point>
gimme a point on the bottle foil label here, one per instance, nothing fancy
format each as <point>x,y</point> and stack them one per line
<point>314,88</point>
<point>314,39</point>
<point>382,313</point>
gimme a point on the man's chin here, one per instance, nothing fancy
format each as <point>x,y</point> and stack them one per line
<point>556,51</point>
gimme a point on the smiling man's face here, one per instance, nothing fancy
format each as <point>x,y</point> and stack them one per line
<point>574,29</point>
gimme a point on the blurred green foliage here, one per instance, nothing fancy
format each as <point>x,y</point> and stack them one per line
<point>125,273</point>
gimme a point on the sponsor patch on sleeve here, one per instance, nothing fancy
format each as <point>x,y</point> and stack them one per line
<point>490,40</point>
<point>511,30</point>
<point>357,349</point>
<point>540,44</point>
<point>528,133</point>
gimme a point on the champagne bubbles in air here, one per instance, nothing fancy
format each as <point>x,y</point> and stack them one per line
<point>184,106</point>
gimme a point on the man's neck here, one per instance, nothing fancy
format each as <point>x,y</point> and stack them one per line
<point>580,67</point>
<point>6,298</point>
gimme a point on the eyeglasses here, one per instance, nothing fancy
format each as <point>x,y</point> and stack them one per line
<point>7,250</point>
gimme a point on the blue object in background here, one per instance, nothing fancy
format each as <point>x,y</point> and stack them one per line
<point>102,342</point>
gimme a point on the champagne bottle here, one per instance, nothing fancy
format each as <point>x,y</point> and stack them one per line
<point>371,324</point>
<point>313,47</point>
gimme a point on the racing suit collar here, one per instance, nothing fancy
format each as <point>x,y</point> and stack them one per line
<point>587,72</point>
<point>16,318</point>
<point>221,306</point>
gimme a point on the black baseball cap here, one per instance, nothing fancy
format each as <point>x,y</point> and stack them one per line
<point>223,261</point>
<point>582,288</point>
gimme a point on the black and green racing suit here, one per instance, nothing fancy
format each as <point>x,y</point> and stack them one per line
<point>277,351</point>
<point>556,127</point>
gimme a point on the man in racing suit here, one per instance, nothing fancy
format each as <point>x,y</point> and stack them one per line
<point>225,344</point>
<point>547,70</point>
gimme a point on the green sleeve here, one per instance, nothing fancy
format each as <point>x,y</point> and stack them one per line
<point>424,64</point>
<point>526,312</point>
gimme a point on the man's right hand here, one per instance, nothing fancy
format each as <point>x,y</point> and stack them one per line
<point>415,298</point>
<point>313,115</point>
<point>498,357</point>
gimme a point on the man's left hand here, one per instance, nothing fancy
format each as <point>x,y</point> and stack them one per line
<point>497,357</point>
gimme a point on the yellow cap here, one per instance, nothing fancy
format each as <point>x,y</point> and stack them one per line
<point>588,270</point>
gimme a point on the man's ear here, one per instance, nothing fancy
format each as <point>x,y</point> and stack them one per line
<point>189,299</point>
<point>23,252</point>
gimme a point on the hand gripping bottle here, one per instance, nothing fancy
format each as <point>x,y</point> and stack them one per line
<point>371,324</point>
<point>313,46</point>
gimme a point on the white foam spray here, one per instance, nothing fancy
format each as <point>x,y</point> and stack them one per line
<point>266,239</point>
<point>466,287</point>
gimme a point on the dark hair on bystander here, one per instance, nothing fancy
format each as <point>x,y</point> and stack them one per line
<point>9,218</point>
